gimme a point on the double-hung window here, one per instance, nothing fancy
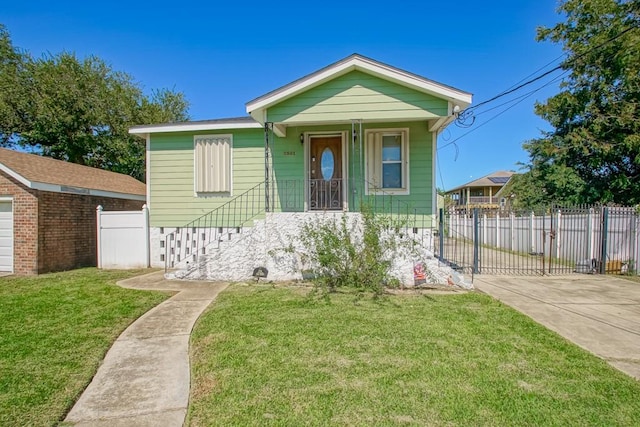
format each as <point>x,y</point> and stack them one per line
<point>387,161</point>
<point>212,163</point>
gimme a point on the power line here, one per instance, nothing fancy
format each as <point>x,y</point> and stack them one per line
<point>520,99</point>
<point>559,67</point>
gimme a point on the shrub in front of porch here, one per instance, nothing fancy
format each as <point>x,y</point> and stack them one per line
<point>353,251</point>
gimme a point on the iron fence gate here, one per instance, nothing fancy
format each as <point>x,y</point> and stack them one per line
<point>556,240</point>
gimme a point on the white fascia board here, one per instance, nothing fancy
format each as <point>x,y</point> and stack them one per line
<point>55,188</point>
<point>15,175</point>
<point>311,81</point>
<point>418,83</point>
<point>142,131</point>
<point>461,98</point>
<point>115,195</point>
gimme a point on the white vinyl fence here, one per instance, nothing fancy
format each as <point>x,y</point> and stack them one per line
<point>123,238</point>
<point>611,237</point>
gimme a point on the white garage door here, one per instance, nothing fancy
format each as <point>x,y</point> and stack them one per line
<point>6,235</point>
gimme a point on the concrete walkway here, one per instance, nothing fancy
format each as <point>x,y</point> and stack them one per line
<point>144,379</point>
<point>599,313</point>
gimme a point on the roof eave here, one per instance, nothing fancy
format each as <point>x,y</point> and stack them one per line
<point>144,130</point>
<point>56,188</point>
<point>356,62</point>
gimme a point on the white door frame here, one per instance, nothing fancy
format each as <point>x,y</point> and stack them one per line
<point>345,164</point>
<point>13,229</point>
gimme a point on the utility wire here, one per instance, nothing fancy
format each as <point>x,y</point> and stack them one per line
<point>520,99</point>
<point>559,67</point>
<point>439,172</point>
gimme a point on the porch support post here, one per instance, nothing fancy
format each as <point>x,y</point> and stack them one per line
<point>266,166</point>
<point>351,161</point>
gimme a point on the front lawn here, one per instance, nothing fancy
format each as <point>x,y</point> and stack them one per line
<point>263,356</point>
<point>54,331</point>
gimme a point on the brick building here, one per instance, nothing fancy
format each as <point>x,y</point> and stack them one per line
<point>48,211</point>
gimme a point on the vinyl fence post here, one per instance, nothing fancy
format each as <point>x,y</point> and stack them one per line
<point>98,235</point>
<point>605,232</point>
<point>476,243</point>
<point>441,233</point>
<point>590,229</point>
<point>512,217</point>
<point>558,221</point>
<point>453,225</point>
<point>484,227</point>
<point>145,224</point>
<point>636,246</point>
<point>532,233</point>
<point>498,230</point>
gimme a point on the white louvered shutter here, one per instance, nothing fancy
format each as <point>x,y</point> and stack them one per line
<point>213,163</point>
<point>374,160</point>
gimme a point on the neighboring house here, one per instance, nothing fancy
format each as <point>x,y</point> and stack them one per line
<point>483,192</point>
<point>355,132</point>
<point>48,211</point>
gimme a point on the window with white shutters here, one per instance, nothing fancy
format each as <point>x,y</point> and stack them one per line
<point>387,160</point>
<point>212,154</point>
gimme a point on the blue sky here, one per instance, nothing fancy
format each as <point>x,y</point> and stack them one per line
<point>223,54</point>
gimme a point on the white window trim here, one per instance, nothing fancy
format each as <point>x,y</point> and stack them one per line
<point>404,132</point>
<point>204,194</point>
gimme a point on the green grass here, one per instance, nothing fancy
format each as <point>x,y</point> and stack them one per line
<point>263,356</point>
<point>54,331</point>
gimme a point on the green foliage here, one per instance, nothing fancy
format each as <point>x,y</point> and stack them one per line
<point>545,185</point>
<point>78,110</point>
<point>54,331</point>
<point>593,152</point>
<point>356,255</point>
<point>275,357</point>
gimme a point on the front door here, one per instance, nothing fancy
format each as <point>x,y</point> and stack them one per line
<point>325,173</point>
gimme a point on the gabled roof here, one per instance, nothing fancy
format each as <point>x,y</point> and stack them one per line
<point>47,174</point>
<point>495,179</point>
<point>354,62</point>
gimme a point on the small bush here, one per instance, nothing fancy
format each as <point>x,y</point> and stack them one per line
<point>356,254</point>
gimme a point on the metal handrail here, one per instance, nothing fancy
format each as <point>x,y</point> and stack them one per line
<point>191,240</point>
<point>185,243</point>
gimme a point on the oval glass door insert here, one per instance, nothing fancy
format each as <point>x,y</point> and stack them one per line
<point>327,164</point>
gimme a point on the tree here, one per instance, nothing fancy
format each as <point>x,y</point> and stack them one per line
<point>78,110</point>
<point>592,155</point>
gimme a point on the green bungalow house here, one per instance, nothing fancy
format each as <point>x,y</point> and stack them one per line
<point>226,195</point>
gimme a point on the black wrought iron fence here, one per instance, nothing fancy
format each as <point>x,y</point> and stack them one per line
<point>556,240</point>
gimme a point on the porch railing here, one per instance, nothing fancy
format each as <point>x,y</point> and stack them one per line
<point>185,243</point>
<point>324,195</point>
<point>479,200</point>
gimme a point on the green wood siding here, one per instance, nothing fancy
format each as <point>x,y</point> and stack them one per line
<point>358,95</point>
<point>173,201</point>
<point>421,185</point>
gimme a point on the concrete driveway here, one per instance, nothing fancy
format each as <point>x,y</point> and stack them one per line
<point>599,313</point>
